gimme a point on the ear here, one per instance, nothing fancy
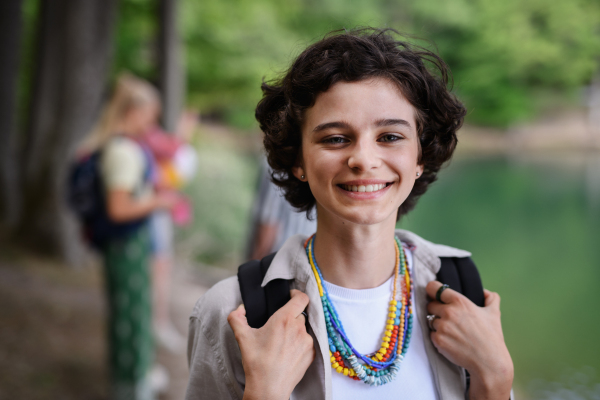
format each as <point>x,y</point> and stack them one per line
<point>419,170</point>
<point>298,168</point>
<point>298,172</point>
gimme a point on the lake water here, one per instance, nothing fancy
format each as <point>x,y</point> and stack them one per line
<point>532,224</point>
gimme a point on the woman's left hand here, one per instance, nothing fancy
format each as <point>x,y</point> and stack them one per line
<point>471,337</point>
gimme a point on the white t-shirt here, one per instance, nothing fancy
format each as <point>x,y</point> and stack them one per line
<point>363,314</point>
<point>123,166</point>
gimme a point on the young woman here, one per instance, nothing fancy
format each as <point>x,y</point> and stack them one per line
<point>357,128</point>
<point>126,170</point>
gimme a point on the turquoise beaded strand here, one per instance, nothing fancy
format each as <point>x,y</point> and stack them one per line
<point>381,367</point>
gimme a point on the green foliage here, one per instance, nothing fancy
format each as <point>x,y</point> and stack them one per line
<point>137,28</point>
<point>233,44</point>
<point>503,53</point>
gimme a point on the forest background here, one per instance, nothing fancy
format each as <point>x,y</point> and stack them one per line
<point>514,62</point>
<point>511,61</point>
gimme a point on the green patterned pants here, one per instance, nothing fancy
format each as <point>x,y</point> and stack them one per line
<point>131,351</point>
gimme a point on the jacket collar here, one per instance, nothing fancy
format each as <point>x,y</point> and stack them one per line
<point>291,262</point>
<point>429,253</point>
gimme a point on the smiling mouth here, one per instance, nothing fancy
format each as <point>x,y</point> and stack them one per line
<point>365,188</point>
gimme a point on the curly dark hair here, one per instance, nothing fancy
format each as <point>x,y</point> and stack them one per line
<point>350,56</point>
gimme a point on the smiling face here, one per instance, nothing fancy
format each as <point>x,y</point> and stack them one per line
<point>360,151</point>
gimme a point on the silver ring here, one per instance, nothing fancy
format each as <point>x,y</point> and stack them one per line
<point>430,319</point>
<point>305,314</point>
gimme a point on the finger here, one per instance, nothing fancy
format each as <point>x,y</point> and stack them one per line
<point>296,305</point>
<point>431,318</point>
<point>432,288</point>
<point>492,299</point>
<point>436,308</point>
<point>303,315</point>
<point>433,324</point>
<point>447,295</point>
<point>241,310</point>
<point>237,320</point>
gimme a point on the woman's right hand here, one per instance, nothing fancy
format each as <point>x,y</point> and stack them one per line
<point>276,356</point>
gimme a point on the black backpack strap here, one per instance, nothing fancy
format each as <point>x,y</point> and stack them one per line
<point>261,302</point>
<point>277,291</point>
<point>461,274</point>
<point>253,295</point>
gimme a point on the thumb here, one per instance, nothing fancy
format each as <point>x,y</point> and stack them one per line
<point>492,299</point>
<point>237,320</point>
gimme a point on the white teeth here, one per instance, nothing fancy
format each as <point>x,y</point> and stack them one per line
<point>364,188</point>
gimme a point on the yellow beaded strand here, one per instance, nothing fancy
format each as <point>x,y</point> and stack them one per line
<point>388,333</point>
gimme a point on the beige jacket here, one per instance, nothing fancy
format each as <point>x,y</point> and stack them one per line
<point>214,357</point>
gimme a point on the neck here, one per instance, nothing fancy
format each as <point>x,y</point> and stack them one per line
<point>354,256</point>
<point>127,129</point>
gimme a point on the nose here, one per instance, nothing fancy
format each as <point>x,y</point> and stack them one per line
<point>363,156</point>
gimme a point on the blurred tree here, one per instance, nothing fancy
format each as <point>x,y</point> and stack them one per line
<point>149,45</point>
<point>171,76</point>
<point>10,38</point>
<point>70,69</point>
<point>72,61</point>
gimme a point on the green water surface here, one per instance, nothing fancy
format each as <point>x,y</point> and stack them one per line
<point>533,230</point>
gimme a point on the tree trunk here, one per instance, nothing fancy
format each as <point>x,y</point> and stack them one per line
<point>171,79</point>
<point>10,38</point>
<point>594,112</point>
<point>75,45</point>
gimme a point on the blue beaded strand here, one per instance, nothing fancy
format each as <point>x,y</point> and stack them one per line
<point>386,370</point>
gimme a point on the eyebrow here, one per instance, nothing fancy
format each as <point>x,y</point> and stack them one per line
<point>330,125</point>
<point>344,125</point>
<point>391,122</point>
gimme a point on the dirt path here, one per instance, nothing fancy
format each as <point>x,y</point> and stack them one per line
<point>52,331</point>
<point>188,287</point>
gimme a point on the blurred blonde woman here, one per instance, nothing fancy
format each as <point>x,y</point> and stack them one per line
<point>126,170</point>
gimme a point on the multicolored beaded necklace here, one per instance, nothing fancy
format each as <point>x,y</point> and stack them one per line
<point>382,366</point>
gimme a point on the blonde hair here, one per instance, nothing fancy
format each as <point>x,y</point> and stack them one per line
<point>130,92</point>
